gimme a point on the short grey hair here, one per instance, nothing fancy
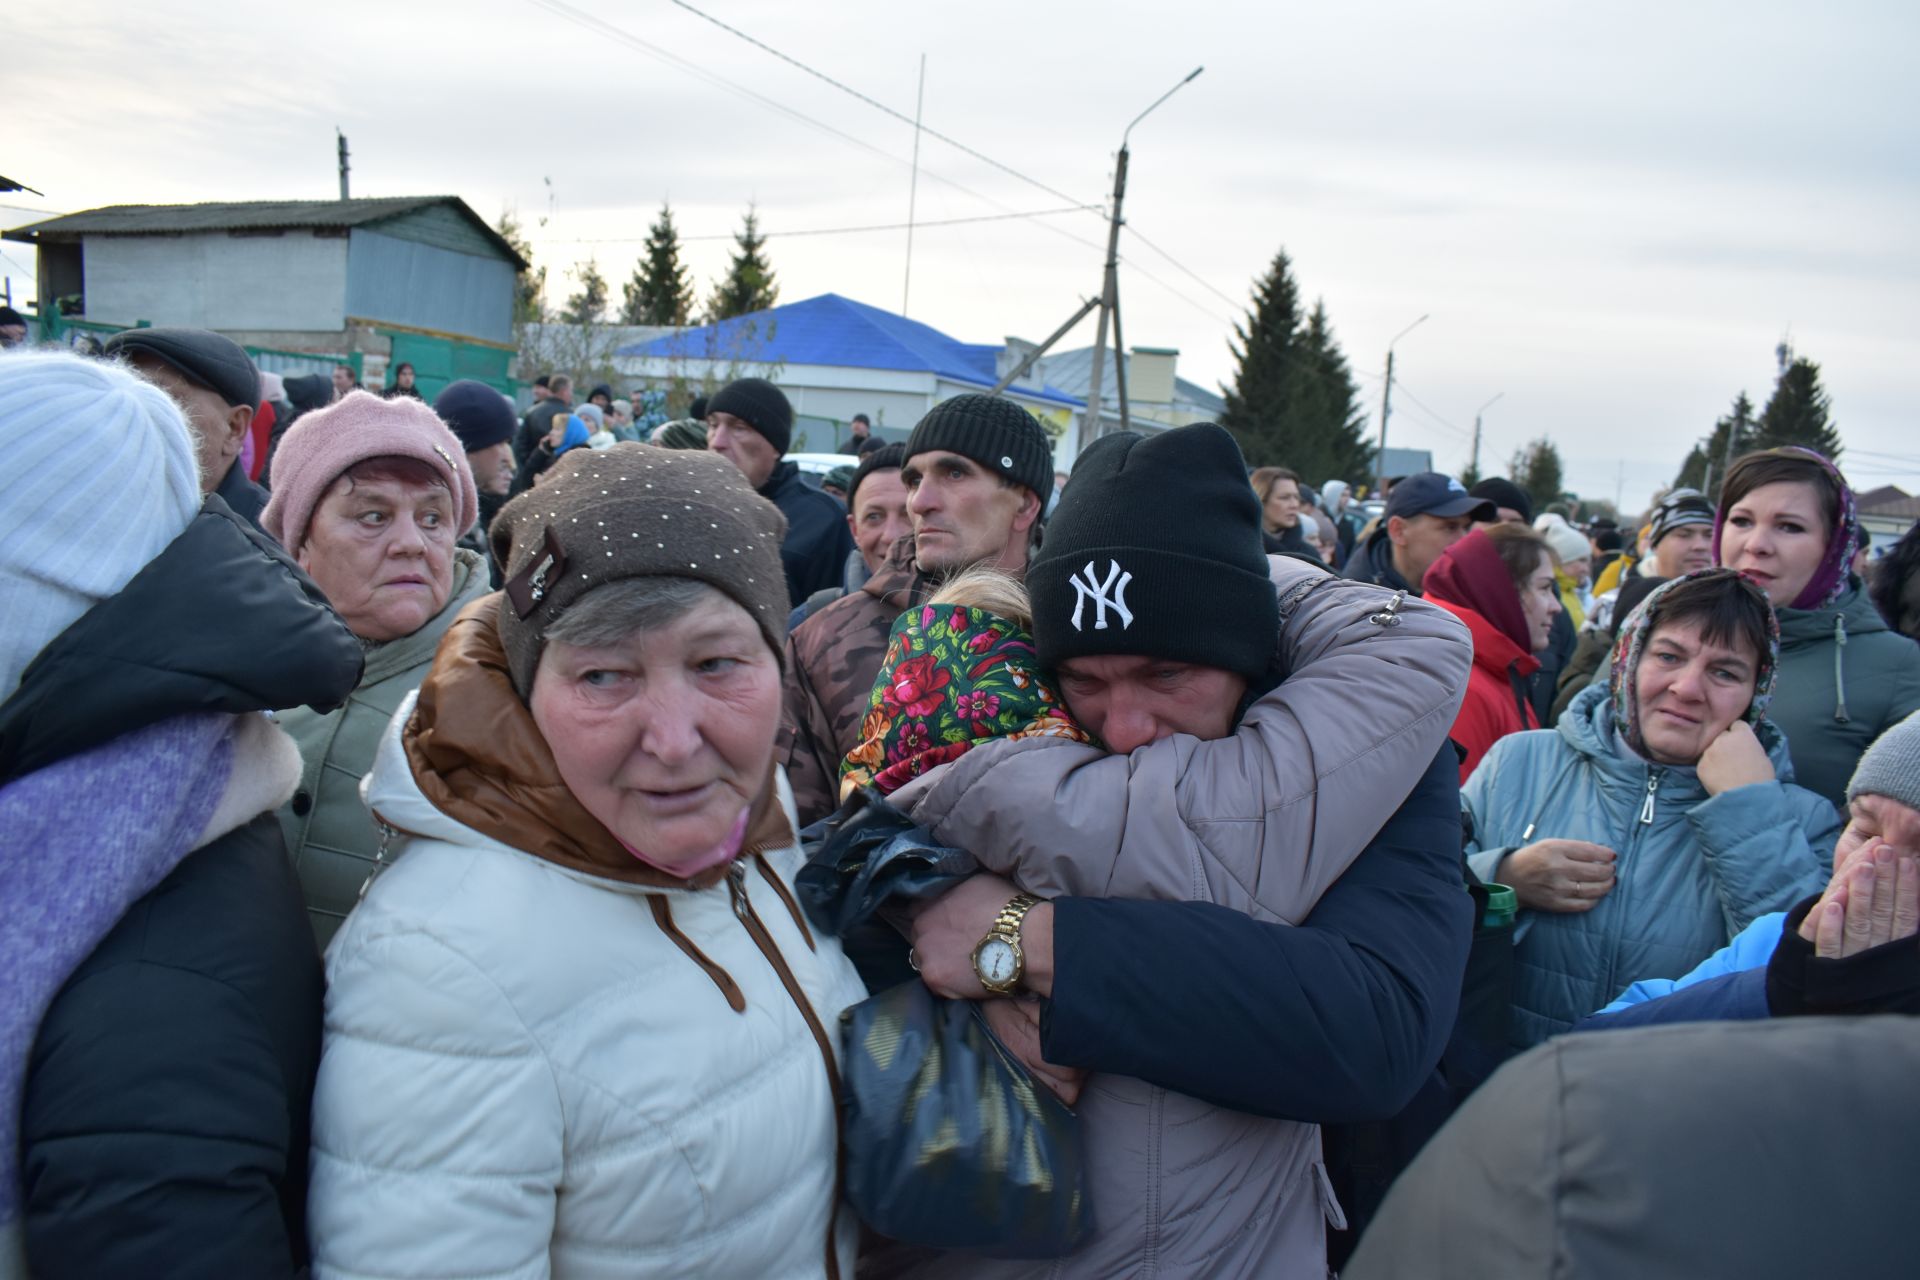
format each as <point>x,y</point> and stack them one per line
<point>615,611</point>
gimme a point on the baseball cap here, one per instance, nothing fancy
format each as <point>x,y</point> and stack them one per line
<point>1431,494</point>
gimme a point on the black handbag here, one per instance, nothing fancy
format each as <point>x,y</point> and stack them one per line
<point>950,1143</point>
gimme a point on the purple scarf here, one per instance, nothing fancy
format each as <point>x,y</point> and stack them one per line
<point>80,842</point>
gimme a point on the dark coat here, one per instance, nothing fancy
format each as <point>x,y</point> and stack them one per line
<point>1340,1020</point>
<point>534,426</point>
<point>1372,561</point>
<point>164,1119</point>
<point>245,498</point>
<point>814,553</point>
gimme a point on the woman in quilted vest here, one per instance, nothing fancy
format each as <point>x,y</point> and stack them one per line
<point>581,1028</point>
<point>1659,818</point>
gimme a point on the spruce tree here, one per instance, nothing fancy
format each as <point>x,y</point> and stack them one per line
<point>588,304</point>
<point>749,285</point>
<point>1536,469</point>
<point>1330,440</point>
<point>1260,402</point>
<point>661,290</point>
<point>1797,411</point>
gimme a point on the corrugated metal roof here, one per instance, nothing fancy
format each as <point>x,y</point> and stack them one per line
<point>832,330</point>
<point>245,215</point>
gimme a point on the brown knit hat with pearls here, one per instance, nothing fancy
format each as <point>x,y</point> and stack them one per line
<point>634,511</point>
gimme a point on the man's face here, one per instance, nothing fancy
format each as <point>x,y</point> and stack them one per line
<point>963,515</point>
<point>860,429</point>
<point>740,444</point>
<point>602,399</point>
<point>342,380</point>
<point>1876,818</point>
<point>1689,689</point>
<point>221,427</point>
<point>12,335</point>
<point>1419,540</point>
<point>879,516</point>
<point>492,468</point>
<point>1509,516</point>
<point>1683,550</point>
<point>1127,702</point>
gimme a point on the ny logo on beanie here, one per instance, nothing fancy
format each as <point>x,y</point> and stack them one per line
<point>1109,594</point>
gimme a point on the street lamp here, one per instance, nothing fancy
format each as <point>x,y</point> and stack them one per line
<point>1110,286</point>
<point>1386,407</point>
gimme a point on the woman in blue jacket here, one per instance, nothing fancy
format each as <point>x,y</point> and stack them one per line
<point>1659,819</point>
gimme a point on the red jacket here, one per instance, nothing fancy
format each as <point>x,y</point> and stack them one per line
<point>1470,582</point>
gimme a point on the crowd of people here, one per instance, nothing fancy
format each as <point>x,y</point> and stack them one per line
<point>404,808</point>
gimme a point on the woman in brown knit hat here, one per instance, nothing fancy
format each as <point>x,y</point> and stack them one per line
<point>582,1027</point>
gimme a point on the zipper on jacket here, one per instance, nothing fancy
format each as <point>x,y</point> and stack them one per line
<point>757,930</point>
<point>1840,668</point>
<point>1646,810</point>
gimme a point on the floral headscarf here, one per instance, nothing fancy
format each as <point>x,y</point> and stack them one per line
<point>954,676</point>
<point>1831,580</point>
<point>1632,643</point>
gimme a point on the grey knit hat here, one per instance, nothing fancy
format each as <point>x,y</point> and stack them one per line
<point>1891,766</point>
<point>634,511</point>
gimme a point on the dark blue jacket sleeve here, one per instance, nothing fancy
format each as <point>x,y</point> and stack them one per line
<point>1731,997</point>
<point>1339,1020</point>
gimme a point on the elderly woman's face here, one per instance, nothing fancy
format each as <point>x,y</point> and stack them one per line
<point>382,551</point>
<point>666,738</point>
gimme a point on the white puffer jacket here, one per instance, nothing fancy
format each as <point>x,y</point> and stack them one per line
<point>524,1075</point>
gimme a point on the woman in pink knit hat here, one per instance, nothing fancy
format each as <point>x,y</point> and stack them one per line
<point>370,496</point>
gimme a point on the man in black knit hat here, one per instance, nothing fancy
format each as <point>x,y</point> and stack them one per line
<point>1252,707</point>
<point>977,470</point>
<point>750,424</point>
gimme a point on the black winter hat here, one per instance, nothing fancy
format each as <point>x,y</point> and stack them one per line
<point>1502,492</point>
<point>992,431</point>
<point>1155,551</point>
<point>201,356</point>
<point>760,405</point>
<point>478,414</point>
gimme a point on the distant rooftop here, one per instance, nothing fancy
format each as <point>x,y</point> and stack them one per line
<point>246,215</point>
<point>832,330</point>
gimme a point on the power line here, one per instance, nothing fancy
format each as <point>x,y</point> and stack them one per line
<point>877,105</point>
<point>574,15</point>
<point>1437,419</point>
<point>1183,269</point>
<point>827,231</point>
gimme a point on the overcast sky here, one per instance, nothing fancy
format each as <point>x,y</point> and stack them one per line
<point>1612,213</point>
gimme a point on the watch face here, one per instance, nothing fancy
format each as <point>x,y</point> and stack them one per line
<point>997,961</point>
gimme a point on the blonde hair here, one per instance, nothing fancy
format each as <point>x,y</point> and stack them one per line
<point>994,590</point>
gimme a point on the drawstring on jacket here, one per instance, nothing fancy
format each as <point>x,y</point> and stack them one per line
<point>1840,668</point>
<point>663,916</point>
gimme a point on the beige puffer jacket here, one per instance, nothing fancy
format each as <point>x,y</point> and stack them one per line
<point>1262,821</point>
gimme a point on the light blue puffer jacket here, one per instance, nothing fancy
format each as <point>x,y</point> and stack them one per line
<point>1693,870</point>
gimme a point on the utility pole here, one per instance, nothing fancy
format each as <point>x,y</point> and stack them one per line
<point>1110,282</point>
<point>913,187</point>
<point>1109,298</point>
<point>343,162</point>
<point>1386,408</point>
<point>1474,466</point>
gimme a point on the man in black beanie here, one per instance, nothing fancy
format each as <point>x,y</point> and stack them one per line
<point>977,470</point>
<point>1510,501</point>
<point>217,386</point>
<point>750,424</point>
<point>483,420</point>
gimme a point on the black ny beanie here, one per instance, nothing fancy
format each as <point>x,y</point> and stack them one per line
<point>1155,551</point>
<point>760,405</point>
<point>992,431</point>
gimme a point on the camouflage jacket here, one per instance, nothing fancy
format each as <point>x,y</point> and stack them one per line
<point>832,660</point>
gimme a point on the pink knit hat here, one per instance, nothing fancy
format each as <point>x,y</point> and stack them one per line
<point>318,449</point>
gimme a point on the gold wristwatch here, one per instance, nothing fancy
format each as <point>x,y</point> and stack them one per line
<point>999,962</point>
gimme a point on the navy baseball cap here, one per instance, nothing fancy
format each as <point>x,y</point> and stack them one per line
<point>1431,494</point>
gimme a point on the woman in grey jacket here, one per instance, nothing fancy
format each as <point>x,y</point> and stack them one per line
<point>1659,818</point>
